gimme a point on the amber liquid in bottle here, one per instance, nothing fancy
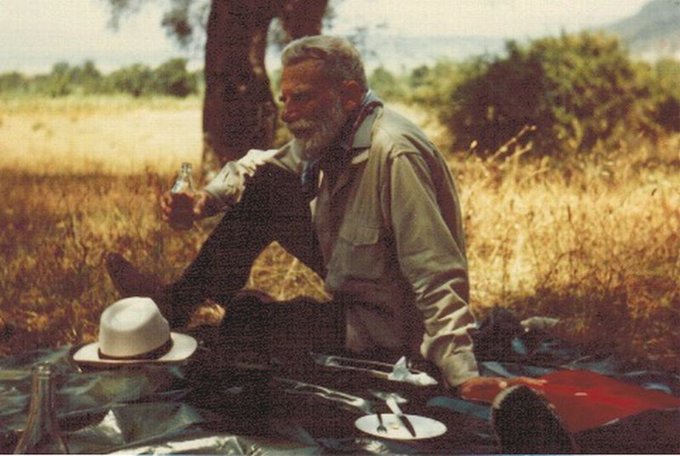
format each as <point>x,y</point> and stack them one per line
<point>183,189</point>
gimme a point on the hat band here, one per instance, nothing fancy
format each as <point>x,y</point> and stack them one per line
<point>153,354</point>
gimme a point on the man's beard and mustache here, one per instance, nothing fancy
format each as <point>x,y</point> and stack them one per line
<point>326,130</point>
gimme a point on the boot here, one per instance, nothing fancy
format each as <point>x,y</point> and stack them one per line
<point>525,422</point>
<point>128,281</point>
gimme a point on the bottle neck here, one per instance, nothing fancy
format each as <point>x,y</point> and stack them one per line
<point>42,395</point>
<point>42,430</point>
<point>184,182</point>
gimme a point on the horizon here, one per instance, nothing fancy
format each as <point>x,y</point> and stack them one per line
<point>141,39</point>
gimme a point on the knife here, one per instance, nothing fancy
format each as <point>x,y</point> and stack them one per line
<point>394,407</point>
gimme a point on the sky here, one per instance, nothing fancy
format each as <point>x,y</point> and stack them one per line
<point>35,34</point>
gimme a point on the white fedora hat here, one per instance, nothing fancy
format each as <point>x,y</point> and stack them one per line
<point>133,331</point>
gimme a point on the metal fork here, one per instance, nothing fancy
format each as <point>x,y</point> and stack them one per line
<point>381,426</point>
<point>392,401</point>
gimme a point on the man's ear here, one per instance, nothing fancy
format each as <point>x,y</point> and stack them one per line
<point>351,95</point>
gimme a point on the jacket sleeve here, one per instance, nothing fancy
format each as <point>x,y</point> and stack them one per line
<point>226,189</point>
<point>432,258</point>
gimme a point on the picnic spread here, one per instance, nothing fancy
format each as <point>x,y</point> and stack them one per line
<point>334,403</point>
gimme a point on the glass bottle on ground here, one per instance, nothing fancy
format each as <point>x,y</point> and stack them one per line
<point>41,435</point>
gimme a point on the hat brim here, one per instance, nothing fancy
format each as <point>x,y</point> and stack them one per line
<point>183,346</point>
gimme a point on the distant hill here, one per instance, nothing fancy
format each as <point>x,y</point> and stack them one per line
<point>403,52</point>
<point>654,32</point>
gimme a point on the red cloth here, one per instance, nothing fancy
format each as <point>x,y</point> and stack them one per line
<point>585,400</point>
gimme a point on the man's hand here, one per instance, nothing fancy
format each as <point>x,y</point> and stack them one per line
<point>175,205</point>
<point>484,389</point>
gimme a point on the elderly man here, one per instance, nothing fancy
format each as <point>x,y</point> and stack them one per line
<point>363,198</point>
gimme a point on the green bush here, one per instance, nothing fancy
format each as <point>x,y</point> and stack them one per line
<point>386,85</point>
<point>172,78</point>
<point>136,80</point>
<point>87,77</point>
<point>573,92</point>
<point>12,82</point>
<point>58,82</point>
<point>431,86</point>
<point>667,78</point>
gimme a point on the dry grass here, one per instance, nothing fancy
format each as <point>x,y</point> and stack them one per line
<point>595,243</point>
<point>99,134</point>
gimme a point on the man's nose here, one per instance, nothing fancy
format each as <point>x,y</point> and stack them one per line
<point>288,115</point>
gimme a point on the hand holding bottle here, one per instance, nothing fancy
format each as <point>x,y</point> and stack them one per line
<point>181,210</point>
<point>177,205</point>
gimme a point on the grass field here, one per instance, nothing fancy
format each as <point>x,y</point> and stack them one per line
<point>594,242</point>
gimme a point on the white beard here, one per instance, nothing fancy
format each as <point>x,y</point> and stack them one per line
<point>326,130</point>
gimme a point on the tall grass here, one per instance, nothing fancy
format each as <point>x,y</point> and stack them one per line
<point>594,242</point>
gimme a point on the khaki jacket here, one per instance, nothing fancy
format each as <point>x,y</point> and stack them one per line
<point>391,234</point>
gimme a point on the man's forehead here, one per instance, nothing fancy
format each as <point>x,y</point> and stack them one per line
<point>305,73</point>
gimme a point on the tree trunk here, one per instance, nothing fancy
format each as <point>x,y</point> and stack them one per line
<point>239,112</point>
<point>238,109</point>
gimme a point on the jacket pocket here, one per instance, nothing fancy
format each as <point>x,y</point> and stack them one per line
<point>359,254</point>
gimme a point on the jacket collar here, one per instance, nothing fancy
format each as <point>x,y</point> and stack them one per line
<point>358,140</point>
<point>360,135</point>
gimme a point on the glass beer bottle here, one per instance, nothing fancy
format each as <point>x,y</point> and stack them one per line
<point>183,211</point>
<point>41,435</point>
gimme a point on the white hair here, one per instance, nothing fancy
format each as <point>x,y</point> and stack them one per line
<point>340,60</point>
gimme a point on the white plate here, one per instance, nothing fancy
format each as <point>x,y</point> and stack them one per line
<point>425,427</point>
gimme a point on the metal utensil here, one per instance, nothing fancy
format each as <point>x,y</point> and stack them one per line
<point>376,369</point>
<point>403,419</point>
<point>373,368</point>
<point>309,389</point>
<point>381,426</point>
<point>383,395</point>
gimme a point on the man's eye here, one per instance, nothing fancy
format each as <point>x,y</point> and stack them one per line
<point>300,97</point>
<point>295,98</point>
